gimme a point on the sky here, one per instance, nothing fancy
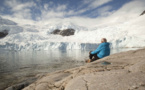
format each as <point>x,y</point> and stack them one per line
<point>83,12</point>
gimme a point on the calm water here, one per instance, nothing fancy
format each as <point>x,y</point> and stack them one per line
<point>14,60</point>
<point>17,64</point>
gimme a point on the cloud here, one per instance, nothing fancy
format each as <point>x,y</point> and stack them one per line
<point>136,6</point>
<point>129,11</point>
<point>23,10</point>
<point>51,14</point>
<point>105,11</point>
<point>61,8</point>
<point>20,9</point>
<point>102,12</point>
<point>51,11</point>
<point>46,6</point>
<point>92,4</point>
<point>25,14</point>
<point>97,3</point>
<point>54,13</point>
<point>60,11</point>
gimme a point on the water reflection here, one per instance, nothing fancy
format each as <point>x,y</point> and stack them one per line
<point>13,60</point>
<point>15,65</point>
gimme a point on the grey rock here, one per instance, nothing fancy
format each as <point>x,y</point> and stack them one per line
<point>65,32</point>
<point>142,13</point>
<point>21,85</point>
<point>126,71</point>
<point>3,33</point>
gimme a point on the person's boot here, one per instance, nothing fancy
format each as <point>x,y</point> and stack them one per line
<point>88,61</point>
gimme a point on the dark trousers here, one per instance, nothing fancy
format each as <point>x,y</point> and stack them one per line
<point>93,57</point>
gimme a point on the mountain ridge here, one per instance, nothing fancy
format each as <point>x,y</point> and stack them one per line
<point>126,34</point>
<point>6,22</point>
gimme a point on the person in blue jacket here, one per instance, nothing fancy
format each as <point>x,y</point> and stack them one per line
<point>103,50</point>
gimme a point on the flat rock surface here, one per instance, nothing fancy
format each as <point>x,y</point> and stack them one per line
<point>123,71</point>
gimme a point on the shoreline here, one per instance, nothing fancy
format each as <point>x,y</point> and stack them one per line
<point>126,71</point>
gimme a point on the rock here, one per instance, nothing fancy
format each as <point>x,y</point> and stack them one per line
<point>123,71</point>
<point>142,13</point>
<point>106,63</point>
<point>21,85</point>
<point>3,33</point>
<point>57,31</point>
<point>65,32</point>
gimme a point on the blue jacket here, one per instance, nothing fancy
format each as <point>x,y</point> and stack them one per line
<point>102,50</point>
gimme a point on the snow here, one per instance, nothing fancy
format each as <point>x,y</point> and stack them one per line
<point>38,37</point>
<point>6,21</point>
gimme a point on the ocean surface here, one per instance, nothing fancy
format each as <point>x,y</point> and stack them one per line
<point>17,66</point>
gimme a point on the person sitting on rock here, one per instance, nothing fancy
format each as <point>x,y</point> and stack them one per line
<point>103,50</point>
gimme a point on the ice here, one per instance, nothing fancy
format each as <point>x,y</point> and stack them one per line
<point>38,37</point>
<point>6,22</point>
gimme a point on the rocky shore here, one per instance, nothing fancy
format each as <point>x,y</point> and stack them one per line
<point>122,71</point>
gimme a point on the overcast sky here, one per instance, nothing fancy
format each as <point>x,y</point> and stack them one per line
<point>77,11</point>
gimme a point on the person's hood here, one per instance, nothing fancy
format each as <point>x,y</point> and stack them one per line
<point>106,44</point>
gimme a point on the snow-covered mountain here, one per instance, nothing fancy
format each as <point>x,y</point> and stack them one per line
<point>6,22</point>
<point>36,37</point>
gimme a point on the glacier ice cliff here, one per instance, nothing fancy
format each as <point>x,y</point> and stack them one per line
<point>37,37</point>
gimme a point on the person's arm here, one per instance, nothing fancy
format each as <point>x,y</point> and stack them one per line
<point>97,50</point>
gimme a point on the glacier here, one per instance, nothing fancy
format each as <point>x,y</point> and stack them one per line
<point>37,37</point>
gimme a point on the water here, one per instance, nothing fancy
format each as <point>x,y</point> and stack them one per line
<point>13,60</point>
<point>16,66</point>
